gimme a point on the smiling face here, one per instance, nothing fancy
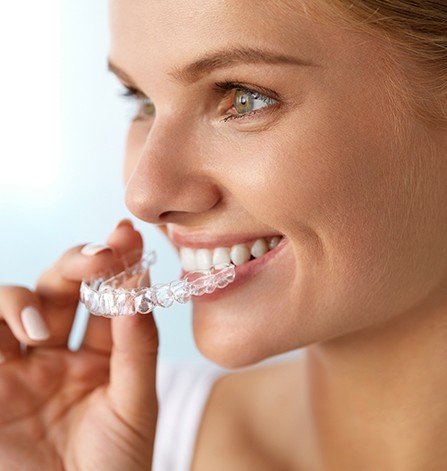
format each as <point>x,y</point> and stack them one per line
<point>263,122</point>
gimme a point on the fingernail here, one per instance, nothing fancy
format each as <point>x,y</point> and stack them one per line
<point>124,222</point>
<point>93,249</point>
<point>34,325</point>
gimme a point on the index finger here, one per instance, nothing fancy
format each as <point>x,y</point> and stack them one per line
<point>59,285</point>
<point>58,288</point>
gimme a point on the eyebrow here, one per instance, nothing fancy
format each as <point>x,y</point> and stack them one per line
<point>220,59</point>
<point>229,57</point>
<point>125,77</point>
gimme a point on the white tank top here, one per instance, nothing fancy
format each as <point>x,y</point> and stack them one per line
<point>183,391</point>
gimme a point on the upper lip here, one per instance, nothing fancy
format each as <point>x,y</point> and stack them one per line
<point>211,241</point>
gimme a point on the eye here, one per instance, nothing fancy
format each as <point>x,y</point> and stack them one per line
<point>244,102</point>
<point>145,106</point>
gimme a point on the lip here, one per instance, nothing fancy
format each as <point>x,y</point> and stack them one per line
<point>243,273</point>
<point>203,240</point>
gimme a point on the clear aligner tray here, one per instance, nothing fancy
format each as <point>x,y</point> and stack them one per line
<point>106,296</point>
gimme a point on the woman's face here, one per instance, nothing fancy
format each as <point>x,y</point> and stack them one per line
<point>263,122</point>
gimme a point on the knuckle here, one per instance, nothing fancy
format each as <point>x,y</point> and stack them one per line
<point>14,292</point>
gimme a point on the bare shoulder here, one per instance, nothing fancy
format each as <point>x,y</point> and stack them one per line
<point>248,415</point>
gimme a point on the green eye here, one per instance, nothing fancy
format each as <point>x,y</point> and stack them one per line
<point>147,107</point>
<point>242,101</point>
<point>245,101</point>
<point>143,106</point>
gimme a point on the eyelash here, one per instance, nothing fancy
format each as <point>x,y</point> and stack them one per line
<point>130,93</point>
<point>223,89</point>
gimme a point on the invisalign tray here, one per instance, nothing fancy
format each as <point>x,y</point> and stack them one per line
<point>106,297</point>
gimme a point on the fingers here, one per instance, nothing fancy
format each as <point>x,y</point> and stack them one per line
<point>23,313</point>
<point>98,335</point>
<point>45,317</point>
<point>59,286</point>
<point>9,345</point>
<point>128,243</point>
<point>133,368</point>
<point>134,347</point>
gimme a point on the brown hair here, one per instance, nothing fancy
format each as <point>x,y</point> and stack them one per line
<point>417,32</point>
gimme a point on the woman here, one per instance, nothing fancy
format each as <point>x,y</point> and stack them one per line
<point>321,125</point>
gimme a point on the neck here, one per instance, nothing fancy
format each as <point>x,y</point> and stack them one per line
<point>377,398</point>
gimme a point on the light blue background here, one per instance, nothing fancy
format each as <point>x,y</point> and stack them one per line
<point>85,201</point>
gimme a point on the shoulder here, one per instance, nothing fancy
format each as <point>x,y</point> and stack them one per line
<point>243,411</point>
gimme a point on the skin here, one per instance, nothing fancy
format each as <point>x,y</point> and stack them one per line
<point>357,187</point>
<point>361,207</point>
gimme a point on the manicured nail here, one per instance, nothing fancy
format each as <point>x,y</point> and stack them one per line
<point>124,222</point>
<point>34,325</point>
<point>93,249</point>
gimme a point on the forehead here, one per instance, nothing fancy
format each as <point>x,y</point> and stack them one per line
<point>196,17</point>
<point>167,32</point>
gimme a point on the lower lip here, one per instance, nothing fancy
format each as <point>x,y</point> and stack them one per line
<point>244,272</point>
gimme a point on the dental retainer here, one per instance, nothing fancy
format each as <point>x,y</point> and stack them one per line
<point>107,296</point>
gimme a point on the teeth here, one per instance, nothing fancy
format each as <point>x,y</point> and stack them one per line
<point>274,242</point>
<point>221,255</point>
<point>203,259</point>
<point>187,257</point>
<point>259,248</point>
<point>239,254</point>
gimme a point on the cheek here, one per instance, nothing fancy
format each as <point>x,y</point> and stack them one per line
<point>309,174</point>
<point>339,175</point>
<point>358,194</point>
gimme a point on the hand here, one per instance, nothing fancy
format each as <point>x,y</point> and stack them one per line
<point>94,409</point>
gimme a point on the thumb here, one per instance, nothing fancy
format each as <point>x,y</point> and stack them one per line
<point>133,363</point>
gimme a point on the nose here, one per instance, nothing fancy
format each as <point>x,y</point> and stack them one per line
<point>168,180</point>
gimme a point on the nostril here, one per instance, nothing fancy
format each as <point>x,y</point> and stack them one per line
<point>175,216</point>
<point>192,208</point>
<point>167,215</point>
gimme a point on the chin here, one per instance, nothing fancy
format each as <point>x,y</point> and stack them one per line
<point>235,347</point>
<point>232,356</point>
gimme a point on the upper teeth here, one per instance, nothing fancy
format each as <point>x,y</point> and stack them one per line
<point>202,259</point>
